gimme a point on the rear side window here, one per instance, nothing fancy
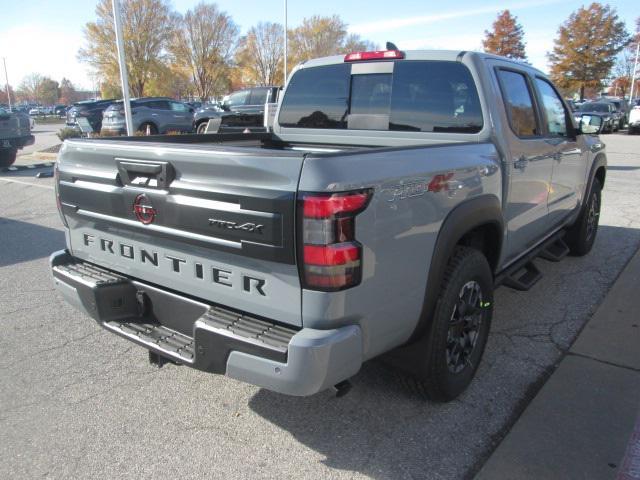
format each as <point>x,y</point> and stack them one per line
<point>258,96</point>
<point>554,112</point>
<point>178,107</point>
<point>419,96</point>
<point>519,103</point>
<point>317,98</point>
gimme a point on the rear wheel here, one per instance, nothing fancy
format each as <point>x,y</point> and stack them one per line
<point>459,328</point>
<point>202,127</point>
<point>148,128</point>
<point>7,157</point>
<point>582,234</point>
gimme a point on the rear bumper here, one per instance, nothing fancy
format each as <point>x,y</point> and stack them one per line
<point>18,142</point>
<point>210,338</point>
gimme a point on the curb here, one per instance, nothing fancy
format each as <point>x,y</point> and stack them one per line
<point>32,166</point>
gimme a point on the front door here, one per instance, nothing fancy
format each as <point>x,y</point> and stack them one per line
<point>569,165</point>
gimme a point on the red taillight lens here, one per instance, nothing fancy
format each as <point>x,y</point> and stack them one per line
<point>377,55</point>
<point>330,256</point>
<point>325,207</point>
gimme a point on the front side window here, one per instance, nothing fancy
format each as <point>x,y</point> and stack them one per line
<point>518,103</point>
<point>238,99</point>
<point>555,115</point>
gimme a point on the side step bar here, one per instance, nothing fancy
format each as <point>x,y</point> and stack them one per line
<point>524,273</point>
<point>524,278</point>
<point>555,251</point>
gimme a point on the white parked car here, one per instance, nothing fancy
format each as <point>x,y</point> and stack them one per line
<point>634,120</point>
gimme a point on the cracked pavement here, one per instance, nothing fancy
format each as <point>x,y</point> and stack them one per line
<point>79,402</point>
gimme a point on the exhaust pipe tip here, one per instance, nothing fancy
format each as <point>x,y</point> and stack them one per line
<point>342,388</point>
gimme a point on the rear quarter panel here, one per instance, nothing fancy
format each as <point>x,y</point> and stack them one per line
<point>398,230</point>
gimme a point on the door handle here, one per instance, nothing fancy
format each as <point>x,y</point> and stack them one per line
<point>557,157</point>
<point>521,163</point>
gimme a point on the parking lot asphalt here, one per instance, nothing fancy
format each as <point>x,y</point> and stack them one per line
<point>78,402</point>
<point>46,136</point>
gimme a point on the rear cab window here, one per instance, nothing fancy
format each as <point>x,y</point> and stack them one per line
<point>518,100</point>
<point>408,95</point>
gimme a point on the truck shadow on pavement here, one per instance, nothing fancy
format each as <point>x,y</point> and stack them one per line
<point>382,430</point>
<point>24,241</point>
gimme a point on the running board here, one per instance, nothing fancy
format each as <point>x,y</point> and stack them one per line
<point>556,251</point>
<point>523,278</point>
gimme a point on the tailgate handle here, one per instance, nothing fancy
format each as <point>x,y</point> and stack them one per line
<point>145,174</point>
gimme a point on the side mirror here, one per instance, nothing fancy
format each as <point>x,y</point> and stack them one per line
<point>590,124</point>
<point>191,110</point>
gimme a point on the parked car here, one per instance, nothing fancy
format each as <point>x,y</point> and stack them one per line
<point>152,114</point>
<point>621,109</point>
<point>89,109</point>
<point>605,110</point>
<point>396,190</point>
<point>634,119</point>
<point>15,133</point>
<point>240,110</point>
<point>60,110</point>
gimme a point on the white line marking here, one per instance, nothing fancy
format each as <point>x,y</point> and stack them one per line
<point>48,187</point>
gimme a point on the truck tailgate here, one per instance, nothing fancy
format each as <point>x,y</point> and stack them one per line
<point>213,222</point>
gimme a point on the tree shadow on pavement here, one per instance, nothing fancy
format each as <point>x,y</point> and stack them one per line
<point>23,241</point>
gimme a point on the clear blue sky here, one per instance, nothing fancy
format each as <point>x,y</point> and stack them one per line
<point>43,36</point>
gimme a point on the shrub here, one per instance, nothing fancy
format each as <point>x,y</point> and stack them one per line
<point>68,132</point>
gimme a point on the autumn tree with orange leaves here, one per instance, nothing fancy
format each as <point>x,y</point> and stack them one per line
<point>507,37</point>
<point>586,48</point>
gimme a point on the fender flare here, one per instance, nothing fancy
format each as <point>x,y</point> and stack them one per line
<point>466,216</point>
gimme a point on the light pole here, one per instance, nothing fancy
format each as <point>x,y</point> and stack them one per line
<point>123,66</point>
<point>635,68</point>
<point>6,77</point>
<point>285,42</point>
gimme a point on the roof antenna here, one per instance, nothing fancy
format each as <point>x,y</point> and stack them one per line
<point>392,46</point>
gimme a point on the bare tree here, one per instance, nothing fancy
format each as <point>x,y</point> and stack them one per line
<point>260,54</point>
<point>204,43</point>
<point>30,88</point>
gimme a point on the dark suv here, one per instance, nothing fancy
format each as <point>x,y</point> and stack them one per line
<point>152,114</point>
<point>240,110</point>
<point>91,110</point>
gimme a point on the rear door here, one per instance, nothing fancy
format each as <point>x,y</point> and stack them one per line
<point>529,164</point>
<point>214,223</point>
<point>182,117</point>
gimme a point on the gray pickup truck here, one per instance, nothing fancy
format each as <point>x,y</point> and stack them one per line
<point>15,133</point>
<point>397,190</point>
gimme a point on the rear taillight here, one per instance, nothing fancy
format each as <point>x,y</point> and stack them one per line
<point>330,258</point>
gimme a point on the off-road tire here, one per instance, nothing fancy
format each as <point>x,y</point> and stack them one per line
<point>582,234</point>
<point>7,157</point>
<point>437,382</point>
